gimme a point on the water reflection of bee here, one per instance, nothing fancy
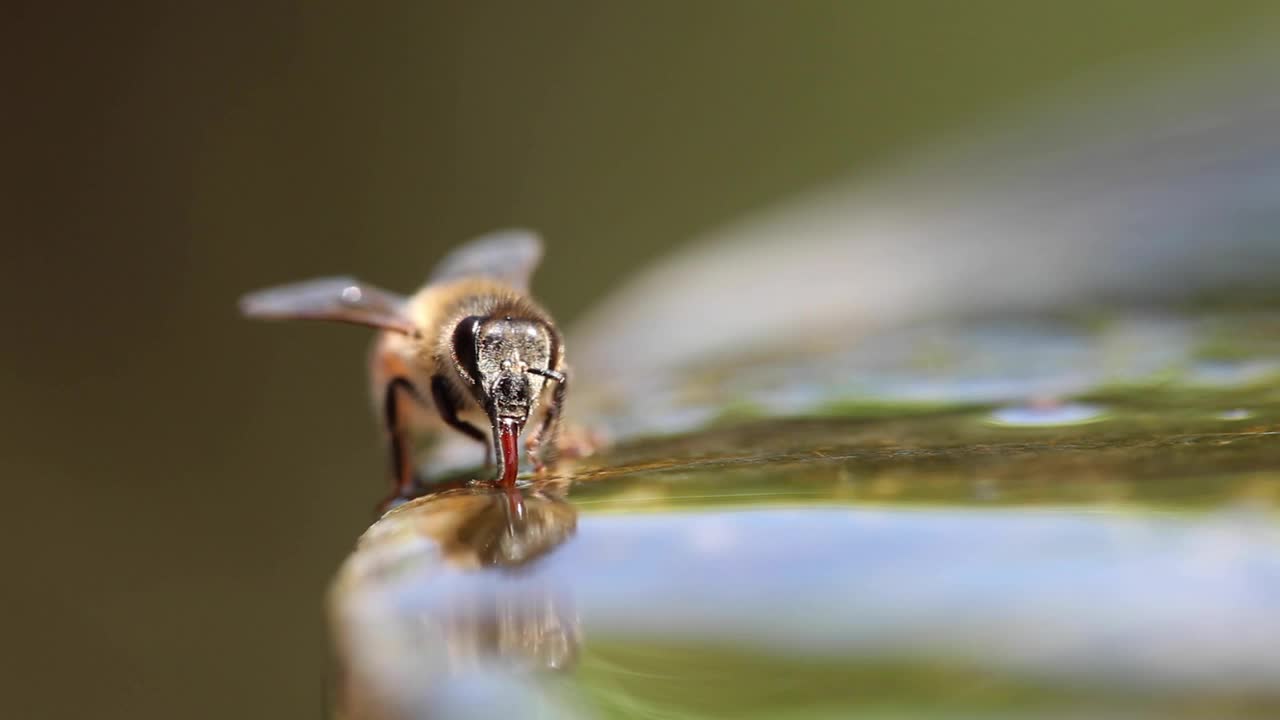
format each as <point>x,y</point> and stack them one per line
<point>470,350</point>
<point>454,585</point>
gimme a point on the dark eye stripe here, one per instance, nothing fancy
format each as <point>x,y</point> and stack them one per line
<point>464,347</point>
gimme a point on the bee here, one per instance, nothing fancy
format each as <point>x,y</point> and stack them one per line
<point>471,351</point>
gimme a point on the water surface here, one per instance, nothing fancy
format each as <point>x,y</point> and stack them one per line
<point>1070,538</point>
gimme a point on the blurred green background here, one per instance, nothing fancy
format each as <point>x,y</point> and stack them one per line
<point>182,484</point>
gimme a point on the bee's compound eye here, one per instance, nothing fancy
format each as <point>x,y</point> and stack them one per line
<point>464,347</point>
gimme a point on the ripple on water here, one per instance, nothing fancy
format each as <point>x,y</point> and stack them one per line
<point>1222,374</point>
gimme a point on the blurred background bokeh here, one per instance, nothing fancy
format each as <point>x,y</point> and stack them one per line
<point>181,484</point>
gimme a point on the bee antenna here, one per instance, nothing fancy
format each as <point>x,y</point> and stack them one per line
<point>548,374</point>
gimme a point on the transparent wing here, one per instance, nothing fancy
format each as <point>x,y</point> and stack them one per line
<point>507,255</point>
<point>340,299</point>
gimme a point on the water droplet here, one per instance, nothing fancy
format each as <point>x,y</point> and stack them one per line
<point>351,294</point>
<point>1047,415</point>
<point>1235,414</point>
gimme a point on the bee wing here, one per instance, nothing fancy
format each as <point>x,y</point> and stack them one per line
<point>341,299</point>
<point>507,255</point>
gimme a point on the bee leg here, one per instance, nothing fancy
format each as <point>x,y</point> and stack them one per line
<point>533,445</point>
<point>447,405</point>
<point>548,432</point>
<point>405,481</point>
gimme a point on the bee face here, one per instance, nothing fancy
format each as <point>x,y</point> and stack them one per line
<point>494,355</point>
